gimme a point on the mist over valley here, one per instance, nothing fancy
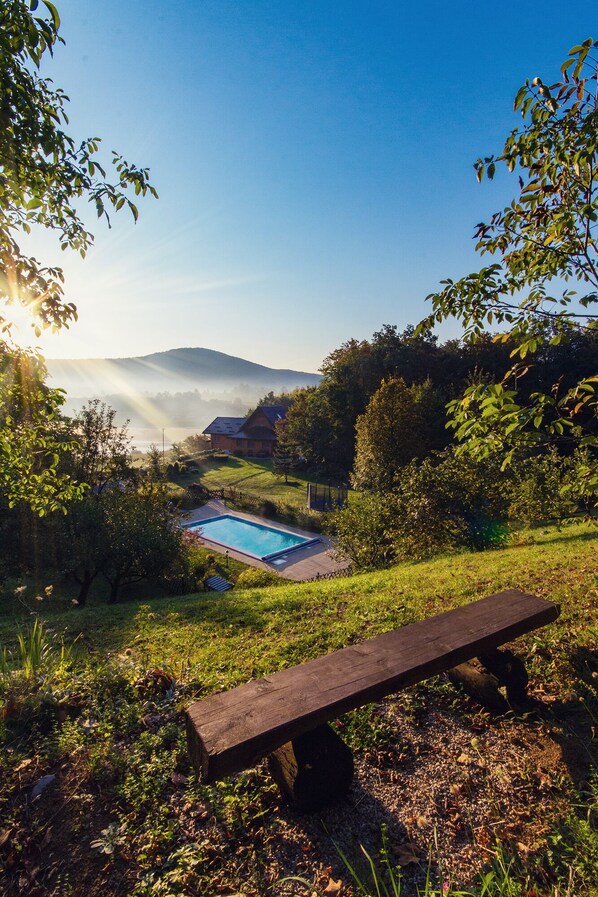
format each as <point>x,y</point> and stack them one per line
<point>179,391</point>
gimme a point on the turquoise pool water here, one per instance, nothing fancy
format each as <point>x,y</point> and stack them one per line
<point>256,539</point>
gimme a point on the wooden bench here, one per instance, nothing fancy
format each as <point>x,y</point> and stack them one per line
<point>284,715</point>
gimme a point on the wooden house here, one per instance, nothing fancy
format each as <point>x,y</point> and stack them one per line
<point>250,437</point>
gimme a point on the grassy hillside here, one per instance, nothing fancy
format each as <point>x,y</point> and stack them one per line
<point>447,783</point>
<point>254,475</point>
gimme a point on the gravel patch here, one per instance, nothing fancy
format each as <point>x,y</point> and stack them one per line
<point>447,785</point>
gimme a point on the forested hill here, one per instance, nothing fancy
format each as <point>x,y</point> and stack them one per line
<point>176,370</point>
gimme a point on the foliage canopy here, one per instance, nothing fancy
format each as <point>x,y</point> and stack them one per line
<point>44,171</point>
<point>45,176</point>
<point>545,284</point>
<point>400,423</point>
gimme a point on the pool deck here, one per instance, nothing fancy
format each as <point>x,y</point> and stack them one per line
<point>299,565</point>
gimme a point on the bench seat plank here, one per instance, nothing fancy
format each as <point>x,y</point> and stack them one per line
<point>230,731</point>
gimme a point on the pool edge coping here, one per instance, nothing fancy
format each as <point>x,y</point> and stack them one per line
<point>266,558</point>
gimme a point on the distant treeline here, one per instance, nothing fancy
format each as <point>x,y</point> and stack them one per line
<point>180,409</point>
<point>321,422</point>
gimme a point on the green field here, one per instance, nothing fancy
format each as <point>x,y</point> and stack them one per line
<point>254,476</point>
<point>124,782</point>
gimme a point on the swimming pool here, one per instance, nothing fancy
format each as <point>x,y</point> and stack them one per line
<point>255,539</point>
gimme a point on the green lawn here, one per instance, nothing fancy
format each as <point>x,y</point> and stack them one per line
<point>255,632</point>
<point>254,476</point>
<point>124,781</point>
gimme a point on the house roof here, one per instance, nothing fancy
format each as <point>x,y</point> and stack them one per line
<point>273,412</point>
<point>233,426</point>
<point>224,426</point>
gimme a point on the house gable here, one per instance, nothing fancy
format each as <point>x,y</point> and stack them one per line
<point>264,420</point>
<point>254,435</point>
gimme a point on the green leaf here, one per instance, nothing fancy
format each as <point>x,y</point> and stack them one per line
<point>53,12</point>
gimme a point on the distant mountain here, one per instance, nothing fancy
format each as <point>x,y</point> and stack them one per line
<point>177,370</point>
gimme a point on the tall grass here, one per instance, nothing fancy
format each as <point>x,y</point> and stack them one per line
<point>38,651</point>
<point>504,877</point>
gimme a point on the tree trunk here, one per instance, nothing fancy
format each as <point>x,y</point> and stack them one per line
<point>480,685</point>
<point>85,585</point>
<point>497,680</point>
<point>114,587</point>
<point>510,672</point>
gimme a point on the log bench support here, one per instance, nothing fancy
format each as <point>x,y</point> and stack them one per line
<point>497,680</point>
<point>283,716</point>
<point>314,769</point>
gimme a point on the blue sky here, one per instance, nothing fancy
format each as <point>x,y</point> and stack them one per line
<point>313,160</point>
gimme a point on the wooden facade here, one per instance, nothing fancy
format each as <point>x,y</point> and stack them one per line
<point>250,437</point>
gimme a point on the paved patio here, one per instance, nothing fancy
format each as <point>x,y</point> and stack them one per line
<point>299,565</point>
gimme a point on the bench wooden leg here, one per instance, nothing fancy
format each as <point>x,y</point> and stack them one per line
<point>510,672</point>
<point>483,680</point>
<point>313,769</point>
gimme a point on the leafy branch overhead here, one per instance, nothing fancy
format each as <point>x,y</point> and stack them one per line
<point>45,172</point>
<point>544,285</point>
<point>45,175</point>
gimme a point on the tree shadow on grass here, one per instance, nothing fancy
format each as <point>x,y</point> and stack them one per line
<point>564,536</point>
<point>574,719</point>
<point>218,614</point>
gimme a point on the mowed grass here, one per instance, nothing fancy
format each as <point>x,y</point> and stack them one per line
<point>220,640</point>
<point>254,476</point>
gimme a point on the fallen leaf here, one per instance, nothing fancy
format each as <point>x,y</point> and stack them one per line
<point>41,785</point>
<point>178,778</point>
<point>406,853</point>
<point>333,887</point>
<point>464,758</point>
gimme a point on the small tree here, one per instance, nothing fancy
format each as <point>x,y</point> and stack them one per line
<point>400,423</point>
<point>33,436</point>
<point>99,459</point>
<point>101,450</point>
<point>285,456</point>
<point>81,543</point>
<point>545,237</point>
<point>194,444</point>
<point>361,531</point>
<point>155,463</point>
<point>141,535</point>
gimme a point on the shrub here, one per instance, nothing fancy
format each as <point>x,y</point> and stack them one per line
<point>268,509</point>
<point>443,503</point>
<point>549,487</point>
<point>256,578</point>
<point>312,521</point>
<point>449,502</point>
<point>361,532</point>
